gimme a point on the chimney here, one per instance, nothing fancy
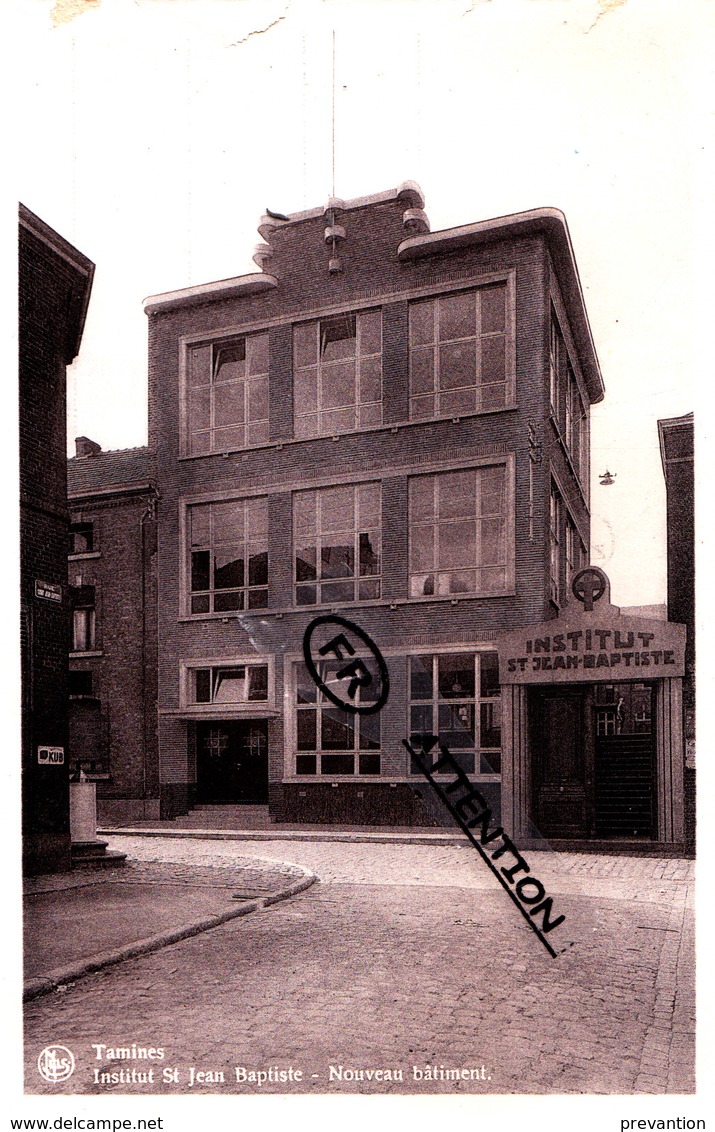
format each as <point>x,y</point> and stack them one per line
<point>86,447</point>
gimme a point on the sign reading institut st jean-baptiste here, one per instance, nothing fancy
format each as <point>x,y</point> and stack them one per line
<point>591,642</point>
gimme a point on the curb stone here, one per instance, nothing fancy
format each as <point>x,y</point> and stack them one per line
<point>45,984</point>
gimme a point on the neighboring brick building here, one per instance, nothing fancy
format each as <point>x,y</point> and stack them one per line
<point>676,437</point>
<point>384,422</point>
<point>54,287</point>
<point>113,661</point>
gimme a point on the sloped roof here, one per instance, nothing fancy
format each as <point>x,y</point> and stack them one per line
<point>105,472</point>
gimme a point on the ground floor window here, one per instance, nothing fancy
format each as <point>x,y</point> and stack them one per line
<point>229,684</point>
<point>330,741</point>
<point>456,696</point>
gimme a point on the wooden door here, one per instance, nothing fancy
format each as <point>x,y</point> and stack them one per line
<point>561,759</point>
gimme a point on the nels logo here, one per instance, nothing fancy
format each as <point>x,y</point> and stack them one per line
<point>56,1063</point>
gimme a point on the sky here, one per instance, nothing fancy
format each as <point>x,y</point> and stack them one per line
<point>152,134</point>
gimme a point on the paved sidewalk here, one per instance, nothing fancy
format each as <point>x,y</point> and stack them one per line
<point>90,918</point>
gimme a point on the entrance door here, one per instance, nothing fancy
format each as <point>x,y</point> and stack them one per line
<point>625,758</point>
<point>232,761</point>
<point>561,760</point>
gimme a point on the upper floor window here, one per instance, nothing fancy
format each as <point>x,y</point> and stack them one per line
<point>458,535</point>
<point>568,406</point>
<point>83,619</point>
<point>337,374</point>
<point>555,549</point>
<point>458,353</point>
<point>228,556</point>
<point>575,549</point>
<point>336,533</point>
<point>227,395</point>
<point>81,538</point>
<point>456,696</point>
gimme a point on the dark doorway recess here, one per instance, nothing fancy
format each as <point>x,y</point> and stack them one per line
<point>232,762</point>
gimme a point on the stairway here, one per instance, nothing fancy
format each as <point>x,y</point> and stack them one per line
<point>225,817</point>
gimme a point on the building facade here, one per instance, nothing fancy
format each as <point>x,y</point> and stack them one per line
<point>55,281</point>
<point>111,578</point>
<point>382,423</point>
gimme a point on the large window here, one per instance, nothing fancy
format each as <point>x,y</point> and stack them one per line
<point>456,696</point>
<point>227,395</point>
<point>229,684</point>
<point>568,407</point>
<point>336,532</point>
<point>228,555</point>
<point>337,374</point>
<point>330,741</point>
<point>458,353</point>
<point>458,541</point>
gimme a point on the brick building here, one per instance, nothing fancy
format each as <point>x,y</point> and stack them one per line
<point>676,437</point>
<point>111,574</point>
<point>54,287</point>
<point>382,421</point>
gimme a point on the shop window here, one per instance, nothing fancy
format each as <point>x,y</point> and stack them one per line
<point>229,684</point>
<point>329,741</point>
<point>228,555</point>
<point>336,533</point>
<point>459,353</point>
<point>81,538</point>
<point>456,696</point>
<point>337,374</point>
<point>458,532</point>
<point>227,395</point>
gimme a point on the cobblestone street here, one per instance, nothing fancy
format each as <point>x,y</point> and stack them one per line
<point>402,957</point>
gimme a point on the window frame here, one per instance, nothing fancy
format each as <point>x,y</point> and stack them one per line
<point>322,369</point>
<point>357,579</point>
<point>507,463</point>
<point>568,405</point>
<point>189,548</point>
<point>322,704</point>
<point>508,279</point>
<point>239,709</point>
<point>77,528</point>
<point>216,346</point>
<point>434,702</point>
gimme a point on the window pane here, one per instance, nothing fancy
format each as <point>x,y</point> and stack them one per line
<point>493,302</point>
<point>228,601</point>
<point>421,408</point>
<point>257,349</point>
<point>492,396</point>
<point>203,686</point>
<point>258,599</point>
<point>369,554</point>
<point>337,510</point>
<point>336,730</point>
<point>421,719</point>
<point>493,361</point>
<point>488,674</point>
<point>422,549</point>
<point>81,538</point>
<point>305,595</point>
<point>422,323</point>
<point>200,365</point>
<point>228,522</point>
<point>490,763</point>
<point>492,542</point>
<point>422,585</point>
<point>199,522</point>
<point>369,764</point>
<point>258,682</point>
<point>493,579</point>
<point>229,685</point>
<point>305,764</point>
<point>456,404</point>
<point>258,399</point>
<point>200,604</point>
<point>422,371</point>
<point>465,760</point>
<point>228,568</point>
<point>305,564</point>
<point>226,438</point>
<point>457,316</point>
<point>305,344</point>
<point>200,443</point>
<point>228,404</point>
<point>337,338</point>
<point>371,379</point>
<point>337,591</point>
<point>456,676</point>
<point>257,517</point>
<point>456,725</point>
<point>370,415</point>
<point>369,500</point>
<point>258,569</point>
<point>200,569</point>
<point>370,732</point>
<point>370,328</point>
<point>307,731</point>
<point>422,508</point>
<point>458,366</point>
<point>336,421</point>
<point>305,505</point>
<point>456,493</point>
<point>457,545</point>
<point>369,589</point>
<point>490,724</point>
<point>305,384</point>
<point>200,407</point>
<point>338,385</point>
<point>337,764</point>
<point>461,582</point>
<point>491,486</point>
<point>337,561</point>
<point>231,362</point>
<point>421,678</point>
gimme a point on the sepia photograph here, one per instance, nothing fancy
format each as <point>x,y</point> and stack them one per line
<point>357,358</point>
